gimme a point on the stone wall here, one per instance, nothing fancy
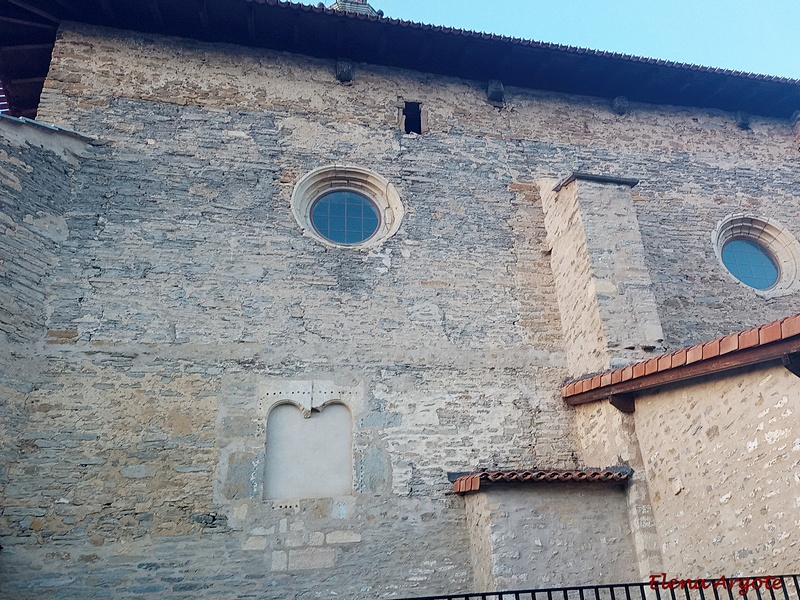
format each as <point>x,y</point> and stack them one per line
<point>695,167</point>
<point>551,535</point>
<point>192,295</point>
<point>36,166</point>
<point>721,459</point>
<point>184,291</point>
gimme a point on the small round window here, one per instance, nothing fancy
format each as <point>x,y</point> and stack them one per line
<point>759,253</point>
<point>343,206</point>
<point>345,217</point>
<point>750,263</point>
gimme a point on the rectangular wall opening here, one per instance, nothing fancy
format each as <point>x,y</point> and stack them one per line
<point>412,113</point>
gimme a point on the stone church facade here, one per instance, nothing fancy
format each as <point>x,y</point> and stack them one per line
<point>205,393</point>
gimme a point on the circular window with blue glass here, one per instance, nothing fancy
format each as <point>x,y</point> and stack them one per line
<point>345,217</point>
<point>758,253</point>
<point>751,263</point>
<point>347,207</point>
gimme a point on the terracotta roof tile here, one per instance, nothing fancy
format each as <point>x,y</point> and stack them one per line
<point>627,373</point>
<point>679,358</point>
<point>790,326</point>
<point>764,335</point>
<point>472,481</point>
<point>710,349</point>
<point>651,366</point>
<point>729,343</point>
<point>693,354</point>
<point>748,338</point>
<point>769,333</point>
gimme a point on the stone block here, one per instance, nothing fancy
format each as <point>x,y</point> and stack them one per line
<point>255,543</point>
<point>311,558</point>
<point>138,471</point>
<point>342,537</point>
<point>279,561</point>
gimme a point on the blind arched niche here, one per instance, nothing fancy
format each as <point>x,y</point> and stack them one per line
<point>309,458</point>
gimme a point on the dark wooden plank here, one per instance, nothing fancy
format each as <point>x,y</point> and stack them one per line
<point>792,363</point>
<point>155,10</point>
<point>25,81</point>
<point>202,9</point>
<point>36,11</point>
<point>26,47</point>
<point>623,402</point>
<point>251,24</point>
<point>108,11</point>
<point>28,23</point>
<point>67,7</point>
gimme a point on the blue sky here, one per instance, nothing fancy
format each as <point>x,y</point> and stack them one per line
<point>761,36</point>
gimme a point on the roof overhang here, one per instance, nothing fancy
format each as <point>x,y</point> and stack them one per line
<point>465,483</point>
<point>776,342</point>
<point>27,28</point>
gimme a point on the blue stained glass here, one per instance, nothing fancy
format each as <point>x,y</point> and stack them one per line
<point>345,217</point>
<point>750,263</point>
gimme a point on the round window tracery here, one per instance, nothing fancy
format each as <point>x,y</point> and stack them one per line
<point>347,207</point>
<point>750,263</point>
<point>345,217</point>
<point>758,253</point>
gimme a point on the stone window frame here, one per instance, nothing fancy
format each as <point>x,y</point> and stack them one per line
<point>376,188</point>
<point>770,235</point>
<point>402,105</point>
<point>296,466</point>
<point>309,396</point>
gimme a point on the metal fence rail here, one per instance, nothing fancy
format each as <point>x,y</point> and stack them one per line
<point>660,587</point>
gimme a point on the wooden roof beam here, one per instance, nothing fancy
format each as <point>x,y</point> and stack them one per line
<point>26,47</point>
<point>296,33</point>
<point>203,13</point>
<point>108,10</point>
<point>37,11</point>
<point>67,6</point>
<point>251,24</point>
<point>343,38</point>
<point>26,23</point>
<point>155,10</point>
<point>783,99</point>
<point>383,45</point>
<point>24,81</point>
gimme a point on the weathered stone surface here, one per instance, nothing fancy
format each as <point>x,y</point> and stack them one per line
<point>138,471</point>
<point>721,459</point>
<point>342,537</point>
<point>311,558</point>
<point>141,335</point>
<point>550,535</point>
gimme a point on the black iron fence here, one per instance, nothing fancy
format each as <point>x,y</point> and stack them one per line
<point>660,587</point>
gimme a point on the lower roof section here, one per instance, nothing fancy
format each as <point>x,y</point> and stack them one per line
<point>778,340</point>
<point>472,482</point>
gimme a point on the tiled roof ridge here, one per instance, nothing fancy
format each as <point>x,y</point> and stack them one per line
<point>726,346</point>
<point>532,43</point>
<point>472,481</point>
